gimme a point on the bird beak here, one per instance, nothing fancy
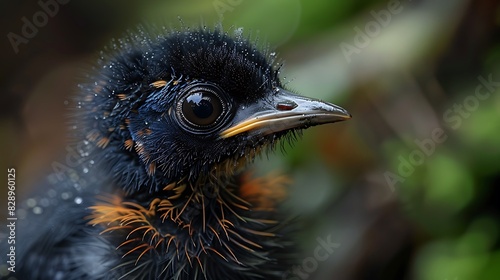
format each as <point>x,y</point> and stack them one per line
<point>282,111</point>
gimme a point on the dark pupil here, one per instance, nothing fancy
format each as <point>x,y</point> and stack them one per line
<point>202,108</point>
<point>200,105</point>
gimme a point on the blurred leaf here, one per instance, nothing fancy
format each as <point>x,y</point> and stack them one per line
<point>438,260</point>
<point>448,183</point>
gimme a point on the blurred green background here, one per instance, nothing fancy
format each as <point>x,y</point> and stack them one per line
<point>407,188</point>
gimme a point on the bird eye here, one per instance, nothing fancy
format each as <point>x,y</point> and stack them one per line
<point>202,106</point>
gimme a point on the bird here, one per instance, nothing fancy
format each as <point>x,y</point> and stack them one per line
<point>167,124</point>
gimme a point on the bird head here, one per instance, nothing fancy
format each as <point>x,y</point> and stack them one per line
<point>191,105</point>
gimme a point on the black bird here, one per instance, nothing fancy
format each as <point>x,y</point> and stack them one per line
<point>167,125</point>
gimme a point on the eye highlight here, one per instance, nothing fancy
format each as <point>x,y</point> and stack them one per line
<point>202,107</point>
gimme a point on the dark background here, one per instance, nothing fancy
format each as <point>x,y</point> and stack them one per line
<point>395,212</point>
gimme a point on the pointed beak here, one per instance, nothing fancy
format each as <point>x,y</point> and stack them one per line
<point>283,111</point>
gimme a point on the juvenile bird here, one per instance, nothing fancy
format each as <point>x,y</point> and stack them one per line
<point>167,125</point>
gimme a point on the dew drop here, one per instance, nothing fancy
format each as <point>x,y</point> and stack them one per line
<point>238,32</point>
<point>31,202</point>
<point>37,210</point>
<point>78,200</point>
<point>65,195</point>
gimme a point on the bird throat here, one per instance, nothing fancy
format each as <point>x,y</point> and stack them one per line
<point>193,221</point>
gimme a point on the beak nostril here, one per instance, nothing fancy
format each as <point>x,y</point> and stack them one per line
<point>286,106</point>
